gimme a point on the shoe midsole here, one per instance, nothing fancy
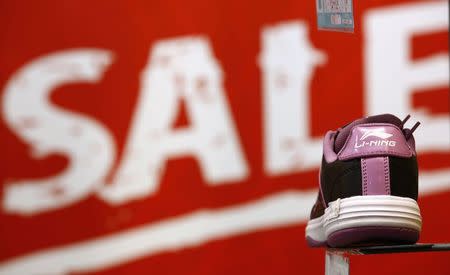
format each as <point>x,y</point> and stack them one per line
<point>363,211</point>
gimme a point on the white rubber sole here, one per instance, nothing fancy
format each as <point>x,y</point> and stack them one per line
<point>375,211</point>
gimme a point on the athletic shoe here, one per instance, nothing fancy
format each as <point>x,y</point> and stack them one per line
<point>368,186</point>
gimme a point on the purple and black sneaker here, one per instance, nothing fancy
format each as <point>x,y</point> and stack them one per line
<point>368,186</point>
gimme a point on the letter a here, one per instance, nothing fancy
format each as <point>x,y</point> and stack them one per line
<point>178,69</point>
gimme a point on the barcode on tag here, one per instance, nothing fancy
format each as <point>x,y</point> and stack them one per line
<point>335,15</point>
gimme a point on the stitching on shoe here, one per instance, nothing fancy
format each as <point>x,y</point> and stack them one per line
<point>387,185</point>
<point>364,175</point>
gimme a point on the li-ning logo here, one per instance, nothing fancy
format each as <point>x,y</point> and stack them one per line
<point>378,132</point>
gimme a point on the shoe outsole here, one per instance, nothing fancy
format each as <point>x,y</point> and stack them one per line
<point>372,235</point>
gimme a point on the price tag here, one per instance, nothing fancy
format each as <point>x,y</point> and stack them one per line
<point>335,15</point>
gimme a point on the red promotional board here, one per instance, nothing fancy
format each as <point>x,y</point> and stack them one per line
<point>171,137</point>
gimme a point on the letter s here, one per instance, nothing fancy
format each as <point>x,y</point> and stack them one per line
<point>49,129</point>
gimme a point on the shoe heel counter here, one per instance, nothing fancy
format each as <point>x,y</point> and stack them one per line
<point>388,161</point>
<point>384,175</point>
<point>376,159</point>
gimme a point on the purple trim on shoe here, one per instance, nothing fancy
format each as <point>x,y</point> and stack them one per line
<point>373,140</point>
<point>313,243</point>
<point>328,147</point>
<point>375,176</point>
<point>344,132</point>
<point>370,235</point>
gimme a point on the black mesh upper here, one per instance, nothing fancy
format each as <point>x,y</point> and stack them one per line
<point>404,177</point>
<point>341,179</point>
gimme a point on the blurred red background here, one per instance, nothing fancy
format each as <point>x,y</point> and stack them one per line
<point>55,229</point>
